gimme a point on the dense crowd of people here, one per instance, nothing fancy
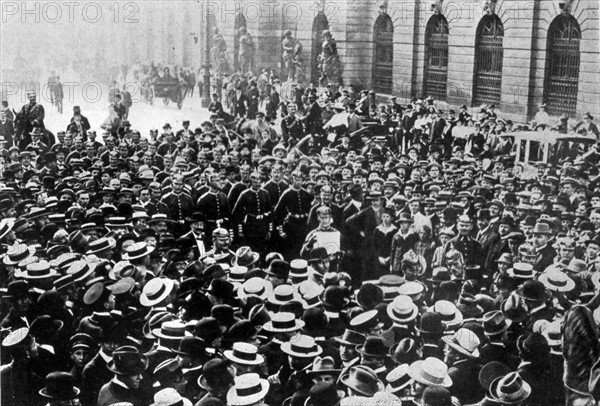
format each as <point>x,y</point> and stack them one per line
<point>319,247</point>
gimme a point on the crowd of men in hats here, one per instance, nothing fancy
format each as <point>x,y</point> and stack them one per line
<point>304,264</point>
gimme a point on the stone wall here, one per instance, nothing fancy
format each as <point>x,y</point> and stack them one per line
<point>352,25</point>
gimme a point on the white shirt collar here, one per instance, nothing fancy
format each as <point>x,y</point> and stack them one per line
<point>105,357</point>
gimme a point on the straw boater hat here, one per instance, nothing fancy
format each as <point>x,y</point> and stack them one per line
<point>430,371</point>
<point>283,322</point>
<point>155,291</point>
<point>137,250</point>
<point>245,354</point>
<point>402,309</point>
<point>451,316</point>
<point>257,287</point>
<point>247,390</point>
<point>398,379</point>
<point>557,281</point>
<point>302,346</point>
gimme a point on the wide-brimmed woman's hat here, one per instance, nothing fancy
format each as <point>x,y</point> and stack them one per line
<point>402,309</point>
<point>247,390</point>
<point>430,371</point>
<point>60,386</point>
<point>302,346</point>
<point>510,389</point>
<point>245,354</point>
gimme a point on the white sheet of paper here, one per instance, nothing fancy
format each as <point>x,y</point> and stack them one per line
<point>328,240</point>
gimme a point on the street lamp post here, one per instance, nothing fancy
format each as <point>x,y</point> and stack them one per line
<point>206,66</point>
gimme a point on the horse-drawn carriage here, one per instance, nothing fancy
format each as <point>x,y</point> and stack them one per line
<point>169,89</point>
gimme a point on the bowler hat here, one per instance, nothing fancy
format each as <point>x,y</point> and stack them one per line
<point>324,394</point>
<point>194,347</point>
<point>279,269</point>
<point>60,386</point>
<point>369,295</point>
<point>431,325</point>
<point>127,360</point>
<point>436,396</point>
<point>533,290</point>
<point>335,298</point>
<point>373,347</point>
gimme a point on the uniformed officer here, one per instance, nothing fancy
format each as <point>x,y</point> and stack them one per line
<point>276,186</point>
<point>214,205</point>
<point>179,204</point>
<point>252,215</point>
<point>290,215</point>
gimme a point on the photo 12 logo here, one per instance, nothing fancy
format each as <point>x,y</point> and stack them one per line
<point>69,11</point>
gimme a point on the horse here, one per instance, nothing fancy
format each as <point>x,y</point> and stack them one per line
<point>23,128</point>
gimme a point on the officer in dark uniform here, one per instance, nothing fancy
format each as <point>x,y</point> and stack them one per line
<point>470,249</point>
<point>276,186</point>
<point>239,187</point>
<point>252,215</point>
<point>290,215</point>
<point>179,204</point>
<point>292,128</point>
<point>214,205</point>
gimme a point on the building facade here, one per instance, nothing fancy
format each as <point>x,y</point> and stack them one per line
<point>513,54</point>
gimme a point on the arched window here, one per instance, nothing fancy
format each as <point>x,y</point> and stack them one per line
<point>320,23</point>
<point>383,38</point>
<point>488,61</point>
<point>562,66</point>
<point>436,59</point>
<point>240,21</point>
